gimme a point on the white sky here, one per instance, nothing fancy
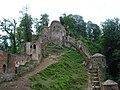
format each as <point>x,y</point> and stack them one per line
<point>94,10</point>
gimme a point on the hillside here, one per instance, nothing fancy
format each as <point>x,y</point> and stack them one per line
<point>68,73</point>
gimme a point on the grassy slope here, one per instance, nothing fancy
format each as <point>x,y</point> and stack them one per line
<point>67,74</point>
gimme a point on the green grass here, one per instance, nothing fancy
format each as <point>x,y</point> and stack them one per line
<point>67,74</point>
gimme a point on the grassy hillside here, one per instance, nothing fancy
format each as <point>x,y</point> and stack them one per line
<point>67,74</point>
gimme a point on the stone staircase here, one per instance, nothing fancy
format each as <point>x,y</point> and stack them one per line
<point>94,82</point>
<point>94,79</point>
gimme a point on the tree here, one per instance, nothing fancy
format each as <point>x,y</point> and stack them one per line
<point>61,20</point>
<point>68,22</point>
<point>43,21</point>
<point>89,29</point>
<point>19,38</point>
<point>4,43</point>
<point>96,32</point>
<point>93,31</point>
<point>74,24</point>
<point>111,45</point>
<point>80,25</point>
<point>9,27</point>
<point>26,25</point>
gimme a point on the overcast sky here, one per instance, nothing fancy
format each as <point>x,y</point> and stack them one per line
<point>94,10</point>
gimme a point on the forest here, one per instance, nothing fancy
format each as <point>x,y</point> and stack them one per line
<point>105,38</point>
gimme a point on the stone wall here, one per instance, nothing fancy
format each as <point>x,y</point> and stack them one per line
<point>3,64</point>
<point>7,63</point>
<point>45,34</point>
<point>21,59</point>
<point>98,60</point>
<point>78,45</point>
<point>10,63</point>
<point>33,49</point>
<point>57,32</point>
<point>7,66</point>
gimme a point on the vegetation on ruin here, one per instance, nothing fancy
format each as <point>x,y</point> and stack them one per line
<point>104,39</point>
<point>68,73</point>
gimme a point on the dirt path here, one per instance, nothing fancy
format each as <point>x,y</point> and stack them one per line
<point>23,82</point>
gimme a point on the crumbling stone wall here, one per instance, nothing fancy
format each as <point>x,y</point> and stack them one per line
<point>57,32</point>
<point>68,41</point>
<point>98,60</point>
<point>33,49</point>
<point>45,35</point>
<point>9,63</point>
<point>3,65</point>
<point>7,66</point>
<point>54,33</point>
<point>21,59</point>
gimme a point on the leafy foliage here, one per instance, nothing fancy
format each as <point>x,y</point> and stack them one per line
<point>8,26</point>
<point>111,45</point>
<point>74,24</point>
<point>92,46</point>
<point>93,31</point>
<point>26,25</point>
<point>44,21</point>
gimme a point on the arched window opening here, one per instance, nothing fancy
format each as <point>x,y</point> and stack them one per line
<point>16,70</point>
<point>103,60</point>
<point>54,28</point>
<point>4,68</point>
<point>34,46</point>
<point>31,55</point>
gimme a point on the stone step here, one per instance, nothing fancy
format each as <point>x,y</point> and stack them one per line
<point>94,78</point>
<point>93,71</point>
<point>96,88</point>
<point>94,74</point>
<point>95,83</point>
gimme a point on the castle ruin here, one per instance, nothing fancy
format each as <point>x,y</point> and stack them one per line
<point>55,33</point>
